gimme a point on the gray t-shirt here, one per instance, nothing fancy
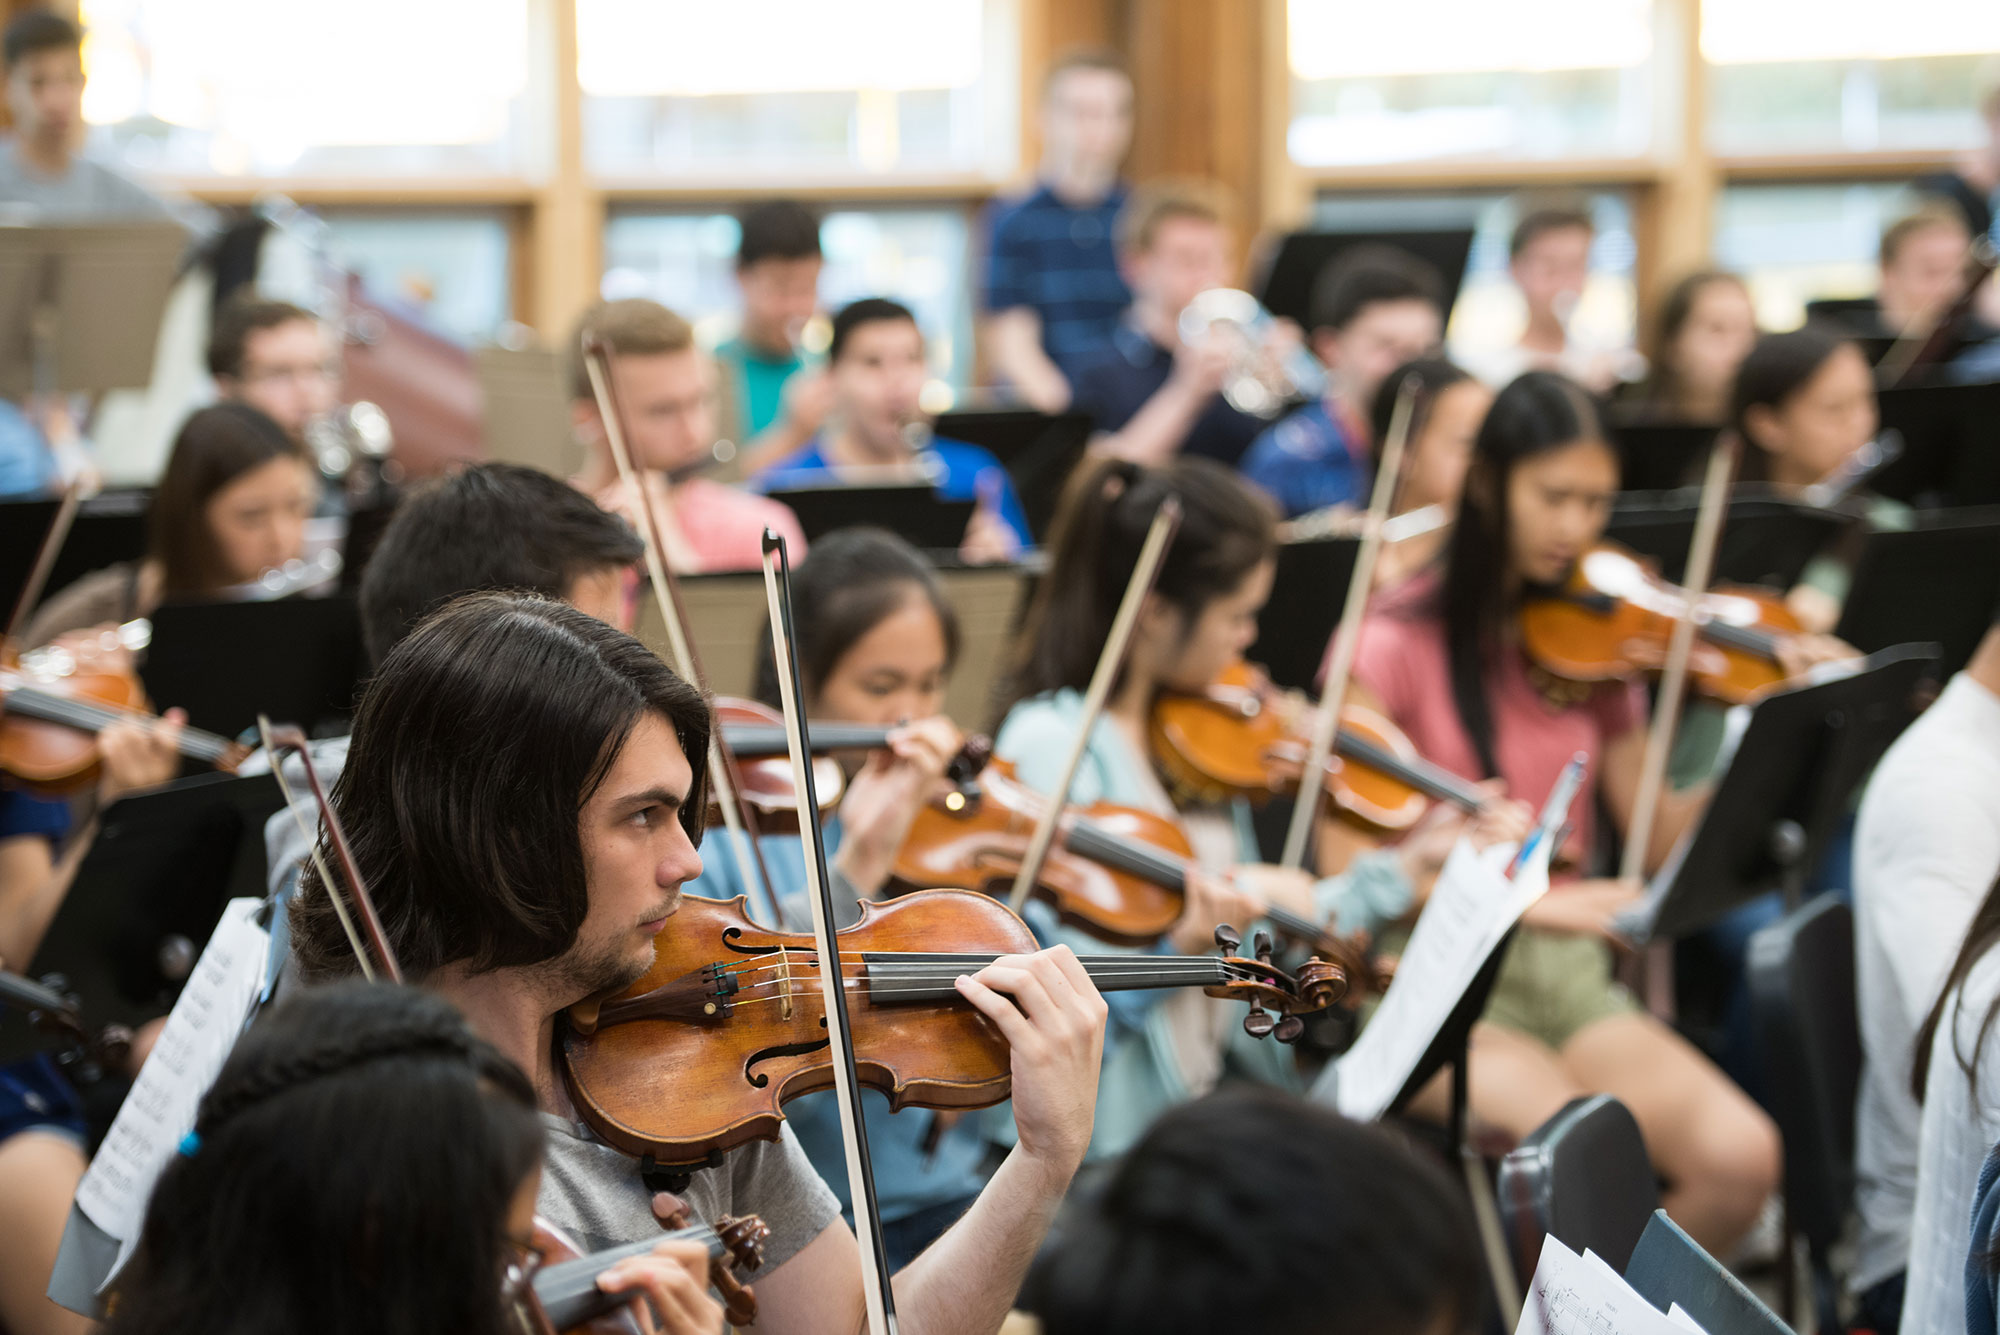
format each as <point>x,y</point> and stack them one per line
<point>88,192</point>
<point>594,1193</point>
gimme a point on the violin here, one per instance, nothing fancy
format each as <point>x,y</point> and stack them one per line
<point>557,1293</point>
<point>736,1012</point>
<point>49,726</point>
<point>1119,873</point>
<point>1233,739</point>
<point>1615,617</point>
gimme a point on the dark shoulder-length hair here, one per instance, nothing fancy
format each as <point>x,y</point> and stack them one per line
<point>475,747</point>
<point>1537,414</point>
<point>216,445</point>
<point>848,584</point>
<point>1227,530</point>
<point>1427,379</point>
<point>1663,386</point>
<point>350,1171</point>
<point>1778,367</point>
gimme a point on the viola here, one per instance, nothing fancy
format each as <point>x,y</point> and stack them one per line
<point>1614,617</point>
<point>559,1294</point>
<point>1119,873</point>
<point>735,1012</point>
<point>49,726</point>
<point>1236,739</point>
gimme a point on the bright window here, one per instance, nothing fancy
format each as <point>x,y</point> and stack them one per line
<point>1830,75</point>
<point>918,256</point>
<point>1799,243</point>
<point>281,88</point>
<point>1425,79</point>
<point>449,268</point>
<point>736,89</point>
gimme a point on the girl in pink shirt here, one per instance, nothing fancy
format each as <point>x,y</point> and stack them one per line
<point>1442,658</point>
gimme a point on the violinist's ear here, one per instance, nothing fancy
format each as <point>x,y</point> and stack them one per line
<point>1160,621</point>
<point>585,421</point>
<point>1761,427</point>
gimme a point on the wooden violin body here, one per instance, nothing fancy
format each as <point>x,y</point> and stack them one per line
<point>49,726</point>
<point>700,1055</point>
<point>1615,617</point>
<point>976,839</point>
<point>1234,740</point>
<point>767,786</point>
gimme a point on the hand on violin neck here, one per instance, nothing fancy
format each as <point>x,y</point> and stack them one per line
<point>139,754</point>
<point>1799,655</point>
<point>1423,850</point>
<point>1052,1017</point>
<point>1500,819</point>
<point>673,1281</point>
<point>886,795</point>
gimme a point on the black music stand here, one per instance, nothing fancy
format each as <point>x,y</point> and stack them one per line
<point>1669,1267</point>
<point>912,510</point>
<point>1660,455</point>
<point>1765,540</point>
<point>149,893</point>
<point>1038,450</point>
<point>1951,445</point>
<point>109,528</point>
<point>1286,285</point>
<point>1784,793</point>
<point>297,659</point>
<point>1939,581</point>
<point>1307,593</point>
<point>80,304</point>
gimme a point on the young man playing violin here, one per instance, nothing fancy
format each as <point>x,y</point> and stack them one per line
<point>523,793</point>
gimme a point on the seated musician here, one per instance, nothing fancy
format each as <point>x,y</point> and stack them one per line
<point>664,387</point>
<point>1441,657</point>
<point>1922,267</point>
<point>771,403</point>
<point>1250,1209</point>
<point>1707,326</point>
<point>277,358</point>
<point>1372,310</point>
<point>1151,395</point>
<point>1447,406</point>
<point>42,1126</point>
<point>524,866</point>
<point>1805,403</point>
<point>1164,1048</point>
<point>1548,259</point>
<point>412,1211</point>
<point>878,432</point>
<point>232,504</point>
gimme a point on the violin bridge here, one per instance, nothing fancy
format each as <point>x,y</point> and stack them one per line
<point>784,983</point>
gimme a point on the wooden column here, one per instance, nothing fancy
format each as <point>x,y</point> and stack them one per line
<point>1676,213</point>
<point>566,223</point>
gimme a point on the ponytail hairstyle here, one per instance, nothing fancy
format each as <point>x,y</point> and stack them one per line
<point>1227,530</point>
<point>1539,413</point>
<point>351,1170</point>
<point>849,583</point>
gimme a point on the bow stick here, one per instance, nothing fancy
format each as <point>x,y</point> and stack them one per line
<point>1152,555</point>
<point>45,561</point>
<point>876,1291</point>
<point>737,817</point>
<point>1347,634</point>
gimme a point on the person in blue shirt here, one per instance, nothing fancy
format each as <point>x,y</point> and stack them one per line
<point>1373,309</point>
<point>876,358</point>
<point>876,642</point>
<point>1053,292</point>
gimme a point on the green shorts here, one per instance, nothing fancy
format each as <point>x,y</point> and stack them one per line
<point>1552,985</point>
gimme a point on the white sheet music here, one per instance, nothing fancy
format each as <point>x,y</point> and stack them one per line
<point>1582,1295</point>
<point>160,1109</point>
<point>1470,909</point>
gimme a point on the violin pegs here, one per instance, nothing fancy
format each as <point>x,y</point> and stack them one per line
<point>1261,946</point>
<point>1289,1030</point>
<point>1227,938</point>
<point>1259,1022</point>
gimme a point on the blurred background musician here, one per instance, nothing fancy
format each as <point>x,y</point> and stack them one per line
<point>770,401</point>
<point>277,358</point>
<point>1706,327</point>
<point>1548,259</point>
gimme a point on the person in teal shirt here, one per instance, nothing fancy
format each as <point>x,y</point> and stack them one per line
<point>1163,1048</point>
<point>876,641</point>
<point>772,402</point>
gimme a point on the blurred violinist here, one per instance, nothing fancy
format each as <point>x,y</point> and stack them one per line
<point>664,388</point>
<point>277,358</point>
<point>772,402</point>
<point>878,431</point>
<point>232,504</point>
<point>414,1211</point>
<point>1446,410</point>
<point>521,870</point>
<point>1706,328</point>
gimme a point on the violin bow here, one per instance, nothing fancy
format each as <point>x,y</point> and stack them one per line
<point>1145,574</point>
<point>1347,633</point>
<point>737,816</point>
<point>1680,645</point>
<point>45,561</point>
<point>278,742</point>
<point>876,1290</point>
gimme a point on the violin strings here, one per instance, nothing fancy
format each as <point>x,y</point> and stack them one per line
<point>53,708</point>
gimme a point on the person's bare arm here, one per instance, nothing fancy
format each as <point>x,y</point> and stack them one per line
<point>1053,1020</point>
<point>1155,433</point>
<point>1014,353</point>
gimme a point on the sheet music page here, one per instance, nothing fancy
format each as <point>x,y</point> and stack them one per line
<point>1581,1295</point>
<point>160,1109</point>
<point>1471,907</point>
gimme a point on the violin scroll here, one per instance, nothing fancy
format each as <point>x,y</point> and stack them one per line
<point>1276,999</point>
